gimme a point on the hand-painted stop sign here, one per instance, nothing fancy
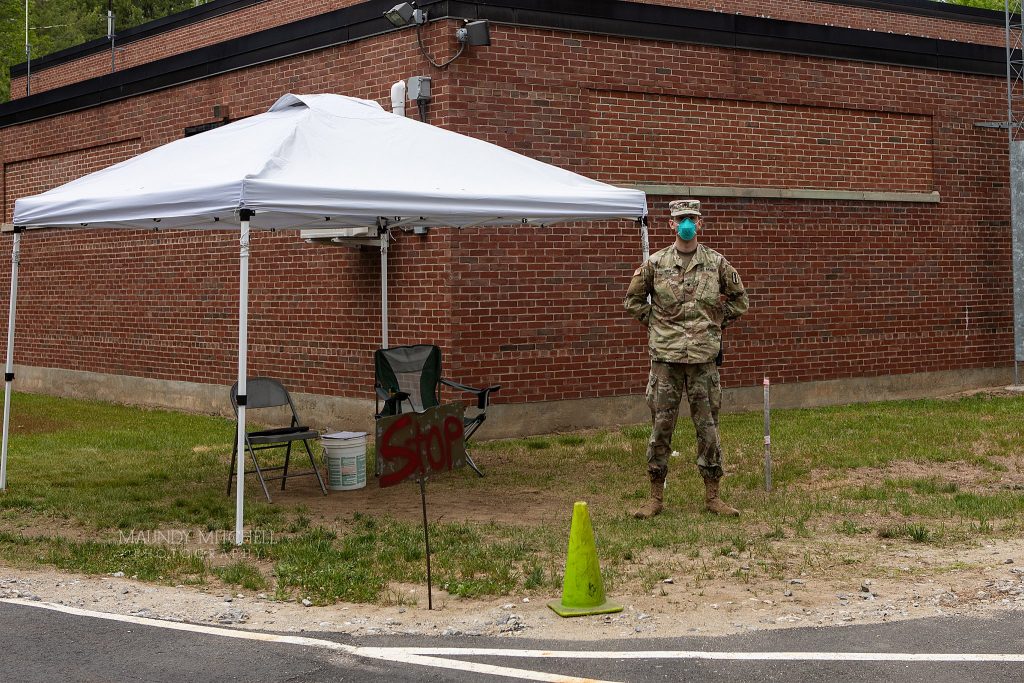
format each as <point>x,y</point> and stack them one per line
<point>430,442</point>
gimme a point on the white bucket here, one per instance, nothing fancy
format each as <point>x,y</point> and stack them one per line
<point>345,455</point>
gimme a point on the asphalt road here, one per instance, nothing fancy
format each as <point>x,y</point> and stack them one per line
<point>40,645</point>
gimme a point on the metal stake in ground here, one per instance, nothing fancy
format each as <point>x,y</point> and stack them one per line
<point>416,444</point>
<point>426,537</point>
<point>767,440</point>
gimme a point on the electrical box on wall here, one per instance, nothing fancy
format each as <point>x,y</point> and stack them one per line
<point>418,88</point>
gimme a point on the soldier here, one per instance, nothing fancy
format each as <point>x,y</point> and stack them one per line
<point>685,294</point>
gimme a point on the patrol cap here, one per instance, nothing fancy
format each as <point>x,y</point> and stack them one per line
<point>684,207</point>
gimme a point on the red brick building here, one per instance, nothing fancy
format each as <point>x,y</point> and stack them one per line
<point>834,144</point>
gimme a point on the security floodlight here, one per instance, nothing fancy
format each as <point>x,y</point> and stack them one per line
<point>404,13</point>
<point>400,14</point>
<point>474,33</point>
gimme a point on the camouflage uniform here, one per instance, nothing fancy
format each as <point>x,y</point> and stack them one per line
<point>685,316</point>
<point>704,394</point>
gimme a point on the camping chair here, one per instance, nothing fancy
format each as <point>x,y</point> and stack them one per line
<point>263,392</point>
<point>411,376</point>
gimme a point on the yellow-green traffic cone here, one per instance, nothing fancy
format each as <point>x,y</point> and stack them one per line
<point>582,589</point>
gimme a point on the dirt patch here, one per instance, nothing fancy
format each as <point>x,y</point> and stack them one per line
<point>32,525</point>
<point>445,503</point>
<point>995,392</point>
<point>25,422</point>
<point>966,476</point>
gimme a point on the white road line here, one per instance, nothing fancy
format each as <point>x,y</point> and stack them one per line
<point>182,626</point>
<point>720,655</point>
<point>429,656</point>
<point>391,655</point>
<point>398,654</point>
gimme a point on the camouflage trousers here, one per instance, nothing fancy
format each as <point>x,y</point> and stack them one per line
<point>703,389</point>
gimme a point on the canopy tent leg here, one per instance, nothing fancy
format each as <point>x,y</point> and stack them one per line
<point>9,368</point>
<point>243,343</point>
<point>384,237</point>
<point>645,244</point>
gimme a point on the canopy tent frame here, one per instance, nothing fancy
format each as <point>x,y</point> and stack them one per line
<point>113,197</point>
<point>9,366</point>
<point>245,216</point>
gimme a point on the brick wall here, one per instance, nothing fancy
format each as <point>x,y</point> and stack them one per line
<point>838,288</point>
<point>272,13</point>
<point>728,142</point>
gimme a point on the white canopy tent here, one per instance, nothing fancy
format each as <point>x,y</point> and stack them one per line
<point>314,162</point>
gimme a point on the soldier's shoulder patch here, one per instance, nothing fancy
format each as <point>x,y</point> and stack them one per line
<point>735,278</point>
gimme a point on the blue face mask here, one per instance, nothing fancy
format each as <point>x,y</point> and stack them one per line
<point>687,229</point>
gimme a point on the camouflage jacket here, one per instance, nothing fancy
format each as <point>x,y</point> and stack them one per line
<point>687,309</point>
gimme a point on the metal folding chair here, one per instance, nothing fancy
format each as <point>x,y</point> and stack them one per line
<point>264,392</point>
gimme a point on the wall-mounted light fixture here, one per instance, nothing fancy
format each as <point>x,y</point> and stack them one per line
<point>405,13</point>
<point>472,33</point>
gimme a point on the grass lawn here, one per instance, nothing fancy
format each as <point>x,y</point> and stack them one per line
<point>102,488</point>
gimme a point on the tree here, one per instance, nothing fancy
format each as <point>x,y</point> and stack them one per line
<point>984,4</point>
<point>58,24</point>
<point>12,49</point>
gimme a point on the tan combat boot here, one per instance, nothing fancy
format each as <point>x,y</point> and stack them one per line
<point>656,504</point>
<point>716,505</point>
